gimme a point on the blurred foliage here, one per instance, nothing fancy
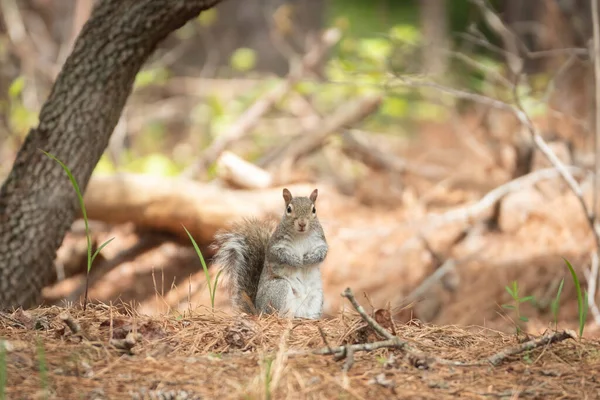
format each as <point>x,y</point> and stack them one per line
<point>243,59</point>
<point>380,42</point>
<point>20,118</point>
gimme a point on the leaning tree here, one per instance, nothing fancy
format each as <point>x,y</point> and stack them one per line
<point>37,202</point>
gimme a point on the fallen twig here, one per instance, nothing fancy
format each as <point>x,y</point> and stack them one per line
<point>66,318</point>
<point>12,320</point>
<point>592,279</point>
<point>241,173</point>
<point>492,197</point>
<point>423,360</point>
<point>550,338</point>
<point>128,343</point>
<point>378,328</point>
<point>359,148</point>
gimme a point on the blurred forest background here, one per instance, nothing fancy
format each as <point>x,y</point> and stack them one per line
<point>384,105</point>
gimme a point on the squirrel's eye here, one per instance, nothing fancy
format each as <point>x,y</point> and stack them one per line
<point>289,209</point>
<point>314,210</point>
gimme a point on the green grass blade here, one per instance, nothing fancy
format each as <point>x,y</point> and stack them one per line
<point>103,245</point>
<point>43,367</point>
<point>580,303</point>
<point>526,298</point>
<point>555,302</point>
<point>212,298</point>
<point>204,267</point>
<point>81,203</point>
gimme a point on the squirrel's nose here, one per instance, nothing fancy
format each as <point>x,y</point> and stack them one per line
<point>302,224</point>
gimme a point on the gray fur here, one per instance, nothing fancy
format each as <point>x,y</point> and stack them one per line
<point>241,255</point>
<point>280,272</point>
<point>317,255</point>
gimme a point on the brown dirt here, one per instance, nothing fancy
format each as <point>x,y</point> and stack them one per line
<point>204,355</point>
<point>375,249</point>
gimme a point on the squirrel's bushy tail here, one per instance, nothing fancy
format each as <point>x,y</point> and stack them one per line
<point>241,256</point>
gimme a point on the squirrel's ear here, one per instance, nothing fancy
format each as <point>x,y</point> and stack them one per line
<point>313,195</point>
<point>287,196</point>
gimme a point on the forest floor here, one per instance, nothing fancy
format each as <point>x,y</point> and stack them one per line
<point>384,245</point>
<point>114,353</point>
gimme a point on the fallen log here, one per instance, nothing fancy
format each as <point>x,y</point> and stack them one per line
<point>165,204</point>
<point>242,174</point>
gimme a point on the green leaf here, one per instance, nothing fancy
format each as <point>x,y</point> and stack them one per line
<point>149,77</point>
<point>510,291</point>
<point>103,245</point>
<point>555,302</point>
<point>375,49</point>
<point>524,319</point>
<point>581,305</point>
<point>81,204</point>
<point>243,59</point>
<point>405,33</point>
<point>508,306</point>
<point>212,297</point>
<point>526,298</point>
<point>16,87</point>
<point>394,106</point>
<point>208,17</point>
<point>199,253</point>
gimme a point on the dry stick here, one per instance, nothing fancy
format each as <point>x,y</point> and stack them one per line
<point>395,342</point>
<point>358,148</point>
<point>249,119</point>
<point>511,41</point>
<point>68,320</point>
<point>593,278</point>
<point>378,328</point>
<point>344,116</point>
<point>492,197</point>
<point>531,344</point>
<point>596,27</point>
<point>12,320</point>
<point>525,120</point>
<point>325,341</point>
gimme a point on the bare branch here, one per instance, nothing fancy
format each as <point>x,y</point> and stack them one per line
<point>592,279</point>
<point>492,197</point>
<point>252,115</point>
<point>378,328</point>
<point>421,358</point>
<point>550,338</point>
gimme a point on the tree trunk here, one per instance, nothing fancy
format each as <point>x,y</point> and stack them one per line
<point>434,22</point>
<point>37,202</point>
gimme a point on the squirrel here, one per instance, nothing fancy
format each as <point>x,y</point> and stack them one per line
<point>276,269</point>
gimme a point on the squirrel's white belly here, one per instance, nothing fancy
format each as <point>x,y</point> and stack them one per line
<point>305,298</point>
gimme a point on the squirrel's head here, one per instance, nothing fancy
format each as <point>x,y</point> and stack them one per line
<point>300,211</point>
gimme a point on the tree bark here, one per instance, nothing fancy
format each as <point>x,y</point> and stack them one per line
<point>37,202</point>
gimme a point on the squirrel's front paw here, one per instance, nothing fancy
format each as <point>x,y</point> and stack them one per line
<point>297,261</point>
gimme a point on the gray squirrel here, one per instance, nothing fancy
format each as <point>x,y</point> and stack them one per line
<point>276,269</point>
